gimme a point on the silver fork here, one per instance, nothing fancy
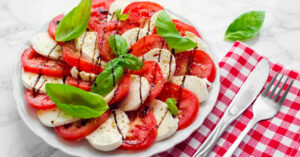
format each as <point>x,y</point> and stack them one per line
<point>265,107</point>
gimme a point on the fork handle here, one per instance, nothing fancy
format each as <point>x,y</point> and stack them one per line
<point>237,142</point>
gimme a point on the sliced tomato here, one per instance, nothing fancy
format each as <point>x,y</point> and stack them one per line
<point>82,128</point>
<point>38,100</point>
<point>103,33</point>
<point>35,63</point>
<point>182,28</point>
<point>142,130</point>
<point>122,89</point>
<point>97,19</point>
<point>140,12</point>
<point>152,72</point>
<point>53,25</point>
<point>102,3</point>
<point>197,63</point>
<point>73,58</point>
<point>188,105</point>
<point>79,83</point>
<point>146,44</point>
<point>99,15</point>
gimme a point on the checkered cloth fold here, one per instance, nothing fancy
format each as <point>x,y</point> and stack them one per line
<point>279,136</point>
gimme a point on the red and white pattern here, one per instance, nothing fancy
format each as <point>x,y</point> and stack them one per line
<point>279,136</point>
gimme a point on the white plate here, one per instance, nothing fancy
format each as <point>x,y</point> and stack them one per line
<point>83,148</point>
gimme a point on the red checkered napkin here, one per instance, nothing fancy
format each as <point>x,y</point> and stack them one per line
<point>279,136</point>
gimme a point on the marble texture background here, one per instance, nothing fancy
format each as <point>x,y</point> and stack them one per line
<point>279,40</point>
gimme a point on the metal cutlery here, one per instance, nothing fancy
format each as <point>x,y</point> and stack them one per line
<point>265,107</point>
<point>246,95</point>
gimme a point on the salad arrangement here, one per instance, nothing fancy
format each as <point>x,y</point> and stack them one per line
<point>118,74</point>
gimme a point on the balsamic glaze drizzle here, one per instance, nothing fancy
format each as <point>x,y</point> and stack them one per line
<point>141,99</point>
<point>119,130</point>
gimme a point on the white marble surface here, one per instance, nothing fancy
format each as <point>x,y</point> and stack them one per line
<point>279,40</point>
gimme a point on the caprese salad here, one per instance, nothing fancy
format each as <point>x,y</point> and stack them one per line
<point>118,74</point>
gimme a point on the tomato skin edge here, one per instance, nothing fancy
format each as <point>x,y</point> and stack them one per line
<point>149,141</point>
<point>62,132</point>
<point>38,105</point>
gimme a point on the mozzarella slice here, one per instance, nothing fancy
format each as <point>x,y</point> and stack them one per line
<point>107,136</point>
<point>201,44</point>
<point>83,75</point>
<point>44,45</point>
<point>55,117</point>
<point>118,4</point>
<point>122,121</point>
<point>167,125</point>
<point>193,84</point>
<point>37,82</point>
<point>133,35</point>
<point>87,45</point>
<point>150,25</point>
<point>110,95</point>
<point>138,92</point>
<point>164,58</point>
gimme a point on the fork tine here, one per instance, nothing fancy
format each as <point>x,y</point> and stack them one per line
<point>275,87</point>
<point>278,94</point>
<point>281,100</point>
<point>265,92</point>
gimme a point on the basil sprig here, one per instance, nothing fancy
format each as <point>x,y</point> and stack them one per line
<point>75,22</point>
<point>114,69</point>
<point>171,102</point>
<point>118,44</point>
<point>107,79</point>
<point>167,29</point>
<point>120,16</point>
<point>245,26</point>
<point>75,101</point>
<point>130,61</point>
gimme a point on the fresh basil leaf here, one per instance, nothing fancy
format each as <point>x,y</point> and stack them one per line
<point>180,44</point>
<point>171,102</point>
<point>167,29</point>
<point>165,25</point>
<point>118,44</point>
<point>107,79</point>
<point>112,63</point>
<point>122,17</point>
<point>75,22</point>
<point>75,101</point>
<point>245,26</point>
<point>131,62</point>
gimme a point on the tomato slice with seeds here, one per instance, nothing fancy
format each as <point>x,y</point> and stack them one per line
<point>79,83</point>
<point>122,89</point>
<point>53,25</point>
<point>188,105</point>
<point>182,28</point>
<point>201,64</point>
<point>102,3</point>
<point>73,58</point>
<point>140,12</point>
<point>35,63</point>
<point>142,130</point>
<point>152,72</point>
<point>38,100</point>
<point>147,43</point>
<point>82,128</point>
